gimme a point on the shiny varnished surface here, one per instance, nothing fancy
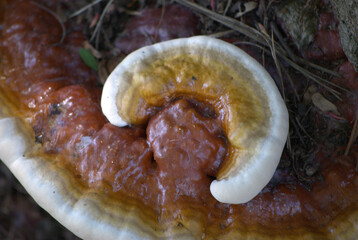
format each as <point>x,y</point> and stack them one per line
<point>58,96</point>
<point>188,148</point>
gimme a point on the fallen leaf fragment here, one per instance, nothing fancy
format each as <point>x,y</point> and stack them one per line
<point>307,97</point>
<point>249,6</point>
<point>323,104</point>
<point>94,51</point>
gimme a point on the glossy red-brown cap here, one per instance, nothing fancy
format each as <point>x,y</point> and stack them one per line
<point>254,115</point>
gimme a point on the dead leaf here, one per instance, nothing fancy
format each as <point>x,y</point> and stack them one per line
<point>94,51</point>
<point>323,104</point>
<point>263,30</point>
<point>249,6</point>
<point>307,97</point>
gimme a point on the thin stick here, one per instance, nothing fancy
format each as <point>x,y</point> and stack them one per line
<point>318,67</point>
<point>227,6</point>
<point>278,67</point>
<point>283,43</point>
<point>313,77</point>
<point>304,130</point>
<point>262,39</point>
<point>227,21</point>
<point>294,124</point>
<point>221,34</point>
<point>291,84</point>
<point>52,13</point>
<point>99,24</point>
<point>330,83</point>
<point>300,69</point>
<point>353,136</point>
<point>309,74</point>
<point>78,12</point>
<point>288,144</point>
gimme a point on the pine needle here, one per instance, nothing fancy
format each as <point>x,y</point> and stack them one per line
<point>221,34</point>
<point>78,12</point>
<point>99,23</point>
<point>265,41</point>
<point>52,13</point>
<point>352,138</point>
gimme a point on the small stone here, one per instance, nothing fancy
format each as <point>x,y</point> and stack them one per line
<point>310,171</point>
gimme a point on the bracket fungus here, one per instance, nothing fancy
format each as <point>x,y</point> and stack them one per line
<point>200,125</point>
<point>243,94</point>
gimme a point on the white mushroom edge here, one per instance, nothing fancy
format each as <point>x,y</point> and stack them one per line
<point>84,216</point>
<point>245,183</point>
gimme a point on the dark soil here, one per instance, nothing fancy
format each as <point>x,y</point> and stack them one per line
<point>21,218</point>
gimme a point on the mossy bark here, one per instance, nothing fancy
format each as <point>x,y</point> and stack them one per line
<point>300,21</point>
<point>346,11</point>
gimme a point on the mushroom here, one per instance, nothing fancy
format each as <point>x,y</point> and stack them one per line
<point>243,94</point>
<point>328,211</point>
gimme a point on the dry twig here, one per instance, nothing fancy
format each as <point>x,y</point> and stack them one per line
<point>95,33</point>
<point>84,9</point>
<point>265,41</point>
<point>352,138</point>
<point>52,13</point>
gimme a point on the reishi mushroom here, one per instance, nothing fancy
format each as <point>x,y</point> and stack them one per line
<point>46,79</point>
<point>243,94</point>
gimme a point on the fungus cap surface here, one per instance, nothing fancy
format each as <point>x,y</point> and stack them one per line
<point>284,210</point>
<point>245,98</point>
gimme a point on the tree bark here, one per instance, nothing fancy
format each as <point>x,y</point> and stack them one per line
<point>346,11</point>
